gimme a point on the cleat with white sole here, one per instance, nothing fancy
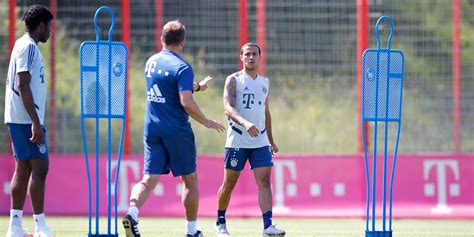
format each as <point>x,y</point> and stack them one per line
<point>222,231</point>
<point>17,231</point>
<point>273,231</point>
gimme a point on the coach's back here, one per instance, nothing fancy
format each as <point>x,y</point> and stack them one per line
<point>166,74</point>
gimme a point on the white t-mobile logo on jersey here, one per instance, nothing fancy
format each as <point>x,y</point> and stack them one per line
<point>150,68</point>
<point>441,183</point>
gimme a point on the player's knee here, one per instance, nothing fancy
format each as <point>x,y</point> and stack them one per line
<point>230,183</point>
<point>149,182</point>
<point>190,181</point>
<point>40,173</point>
<point>264,182</point>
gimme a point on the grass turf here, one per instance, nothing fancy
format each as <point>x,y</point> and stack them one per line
<point>297,227</point>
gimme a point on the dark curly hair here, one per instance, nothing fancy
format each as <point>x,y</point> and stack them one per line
<point>35,14</point>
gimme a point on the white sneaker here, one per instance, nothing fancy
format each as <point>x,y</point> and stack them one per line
<point>273,231</point>
<point>17,231</point>
<point>43,232</point>
<point>222,230</point>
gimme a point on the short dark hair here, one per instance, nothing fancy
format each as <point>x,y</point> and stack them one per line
<point>35,14</point>
<point>250,44</point>
<point>173,32</point>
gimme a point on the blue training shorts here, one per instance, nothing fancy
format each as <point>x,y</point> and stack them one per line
<point>23,148</point>
<point>176,153</point>
<point>235,158</point>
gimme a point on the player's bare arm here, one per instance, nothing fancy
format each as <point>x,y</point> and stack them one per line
<point>230,103</point>
<point>268,126</point>
<point>192,108</point>
<point>202,85</point>
<point>24,79</point>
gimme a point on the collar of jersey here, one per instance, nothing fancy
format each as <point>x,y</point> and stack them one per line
<point>171,52</point>
<point>247,75</point>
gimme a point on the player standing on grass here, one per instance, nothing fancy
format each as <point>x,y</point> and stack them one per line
<point>249,137</point>
<point>168,136</point>
<point>25,100</point>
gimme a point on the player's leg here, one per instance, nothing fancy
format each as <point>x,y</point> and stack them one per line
<point>156,162</point>
<point>182,151</point>
<point>223,199</point>
<point>234,163</point>
<point>225,193</point>
<point>19,186</point>
<point>37,187</point>
<point>261,163</point>
<point>190,200</point>
<point>262,177</point>
<point>142,190</point>
<point>31,167</point>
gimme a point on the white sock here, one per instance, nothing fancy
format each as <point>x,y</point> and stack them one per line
<point>191,227</point>
<point>15,217</point>
<point>39,221</point>
<point>133,212</point>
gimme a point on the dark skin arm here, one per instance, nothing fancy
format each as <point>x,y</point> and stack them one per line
<point>231,111</point>
<point>24,79</point>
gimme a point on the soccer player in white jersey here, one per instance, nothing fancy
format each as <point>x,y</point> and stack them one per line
<point>25,99</point>
<point>249,137</point>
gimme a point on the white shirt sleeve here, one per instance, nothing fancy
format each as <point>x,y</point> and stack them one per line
<point>24,59</point>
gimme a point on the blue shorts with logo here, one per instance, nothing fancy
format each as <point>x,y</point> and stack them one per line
<point>175,153</point>
<point>23,148</point>
<point>235,158</point>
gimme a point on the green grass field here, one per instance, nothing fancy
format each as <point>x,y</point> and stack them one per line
<point>171,227</point>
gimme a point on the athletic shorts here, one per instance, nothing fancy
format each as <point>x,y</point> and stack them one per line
<point>164,154</point>
<point>23,148</point>
<point>235,158</point>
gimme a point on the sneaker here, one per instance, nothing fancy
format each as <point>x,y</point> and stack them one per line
<point>273,231</point>
<point>16,231</point>
<point>222,230</point>
<point>130,226</point>
<point>198,234</point>
<point>43,232</point>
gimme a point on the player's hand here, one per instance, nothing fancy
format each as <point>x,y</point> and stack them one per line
<point>203,83</point>
<point>251,129</point>
<point>36,133</point>
<point>274,148</point>
<point>214,124</point>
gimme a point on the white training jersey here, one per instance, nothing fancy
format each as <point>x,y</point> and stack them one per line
<point>25,57</point>
<point>251,95</point>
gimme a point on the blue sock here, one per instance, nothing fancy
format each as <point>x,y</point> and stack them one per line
<point>221,217</point>
<point>267,219</point>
